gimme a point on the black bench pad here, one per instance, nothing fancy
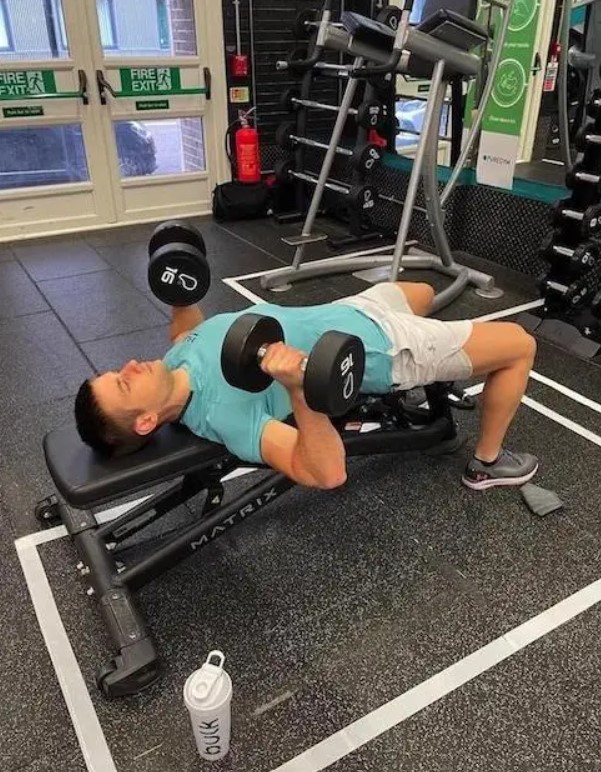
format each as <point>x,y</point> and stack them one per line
<point>86,480</point>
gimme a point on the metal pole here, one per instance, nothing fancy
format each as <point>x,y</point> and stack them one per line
<point>328,162</point>
<point>562,83</point>
<point>416,173</point>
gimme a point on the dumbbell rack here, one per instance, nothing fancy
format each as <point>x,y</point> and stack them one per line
<point>573,248</point>
<point>571,314</point>
<point>359,225</point>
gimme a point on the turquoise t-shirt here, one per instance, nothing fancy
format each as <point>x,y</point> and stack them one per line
<point>221,413</point>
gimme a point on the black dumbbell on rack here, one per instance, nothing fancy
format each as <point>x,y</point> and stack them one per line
<point>593,108</point>
<point>369,115</point>
<point>579,260</point>
<point>178,272</point>
<point>573,296</point>
<point>361,198</point>
<point>580,176</point>
<point>586,136</point>
<point>590,219</point>
<point>364,158</point>
<point>332,373</point>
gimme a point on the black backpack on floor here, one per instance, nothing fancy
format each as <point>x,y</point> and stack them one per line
<point>240,201</point>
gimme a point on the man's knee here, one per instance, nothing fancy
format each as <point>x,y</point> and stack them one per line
<point>526,344</point>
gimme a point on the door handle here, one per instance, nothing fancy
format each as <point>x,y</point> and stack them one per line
<point>103,86</point>
<point>83,86</point>
<point>208,78</point>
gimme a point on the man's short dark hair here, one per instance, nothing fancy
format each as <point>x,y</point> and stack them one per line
<point>103,433</point>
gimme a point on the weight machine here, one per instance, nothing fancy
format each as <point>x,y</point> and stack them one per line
<point>440,48</point>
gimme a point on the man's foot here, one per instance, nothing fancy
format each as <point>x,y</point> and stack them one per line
<point>509,469</point>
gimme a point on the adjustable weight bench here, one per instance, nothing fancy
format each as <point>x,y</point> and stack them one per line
<point>84,482</point>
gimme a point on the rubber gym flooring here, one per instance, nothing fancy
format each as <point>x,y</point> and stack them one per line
<point>401,622</point>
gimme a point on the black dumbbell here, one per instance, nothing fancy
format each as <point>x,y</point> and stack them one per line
<point>333,371</point>
<point>390,16</point>
<point>178,271</point>
<point>581,259</point>
<point>593,108</point>
<point>579,176</point>
<point>364,158</point>
<point>361,198</point>
<point>304,22</point>
<point>587,135</point>
<point>590,219</point>
<point>596,305</point>
<point>369,115</point>
<point>574,295</point>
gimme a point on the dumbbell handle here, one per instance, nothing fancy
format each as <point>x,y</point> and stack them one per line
<point>559,250</point>
<point>320,105</point>
<point>330,185</point>
<point>595,179</point>
<point>572,214</point>
<point>594,139</point>
<point>557,286</point>
<point>322,145</point>
<point>263,350</point>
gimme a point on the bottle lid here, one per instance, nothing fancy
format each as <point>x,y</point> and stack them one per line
<point>206,682</point>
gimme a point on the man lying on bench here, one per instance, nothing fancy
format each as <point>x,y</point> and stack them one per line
<point>117,411</point>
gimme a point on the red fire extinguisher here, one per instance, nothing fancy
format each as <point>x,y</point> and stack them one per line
<point>552,68</point>
<point>248,160</point>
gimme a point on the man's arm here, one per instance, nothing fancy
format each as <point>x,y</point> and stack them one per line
<point>313,454</point>
<point>184,319</point>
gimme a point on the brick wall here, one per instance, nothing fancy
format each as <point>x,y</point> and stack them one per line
<point>183,33</point>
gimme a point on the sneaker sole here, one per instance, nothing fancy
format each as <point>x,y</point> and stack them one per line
<point>500,482</point>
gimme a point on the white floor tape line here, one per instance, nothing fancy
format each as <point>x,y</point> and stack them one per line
<point>393,713</point>
<point>87,727</point>
<point>574,395</point>
<point>509,311</point>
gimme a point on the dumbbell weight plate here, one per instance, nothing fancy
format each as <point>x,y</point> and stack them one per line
<point>366,158</point>
<point>176,232</point>
<point>371,115</point>
<point>283,133</point>
<point>178,274</point>
<point>282,170</point>
<point>596,305</point>
<point>239,353</point>
<point>287,97</point>
<point>390,17</point>
<point>363,198</point>
<point>584,258</point>
<point>300,30</point>
<point>334,373</point>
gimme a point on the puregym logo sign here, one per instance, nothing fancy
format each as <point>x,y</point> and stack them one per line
<point>495,159</point>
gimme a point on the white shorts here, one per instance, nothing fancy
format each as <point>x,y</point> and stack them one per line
<point>423,350</point>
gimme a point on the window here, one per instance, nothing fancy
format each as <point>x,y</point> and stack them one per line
<point>6,41</point>
<point>106,19</point>
<point>58,21</point>
<point>164,24</point>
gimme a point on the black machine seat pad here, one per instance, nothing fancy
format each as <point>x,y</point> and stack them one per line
<point>449,26</point>
<point>84,479</point>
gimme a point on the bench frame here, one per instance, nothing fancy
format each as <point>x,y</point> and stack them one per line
<point>136,664</point>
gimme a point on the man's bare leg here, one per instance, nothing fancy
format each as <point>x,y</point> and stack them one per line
<point>503,352</point>
<point>419,296</point>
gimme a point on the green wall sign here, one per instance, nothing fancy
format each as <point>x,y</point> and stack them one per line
<point>149,80</point>
<point>24,83</point>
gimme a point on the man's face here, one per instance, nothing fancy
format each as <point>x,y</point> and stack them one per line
<point>142,388</point>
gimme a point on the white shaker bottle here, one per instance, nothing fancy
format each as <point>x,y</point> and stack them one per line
<point>208,697</point>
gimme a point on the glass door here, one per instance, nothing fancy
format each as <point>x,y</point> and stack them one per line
<point>52,159</point>
<point>159,70</point>
<point>111,111</point>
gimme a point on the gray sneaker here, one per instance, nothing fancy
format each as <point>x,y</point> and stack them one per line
<point>509,469</point>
